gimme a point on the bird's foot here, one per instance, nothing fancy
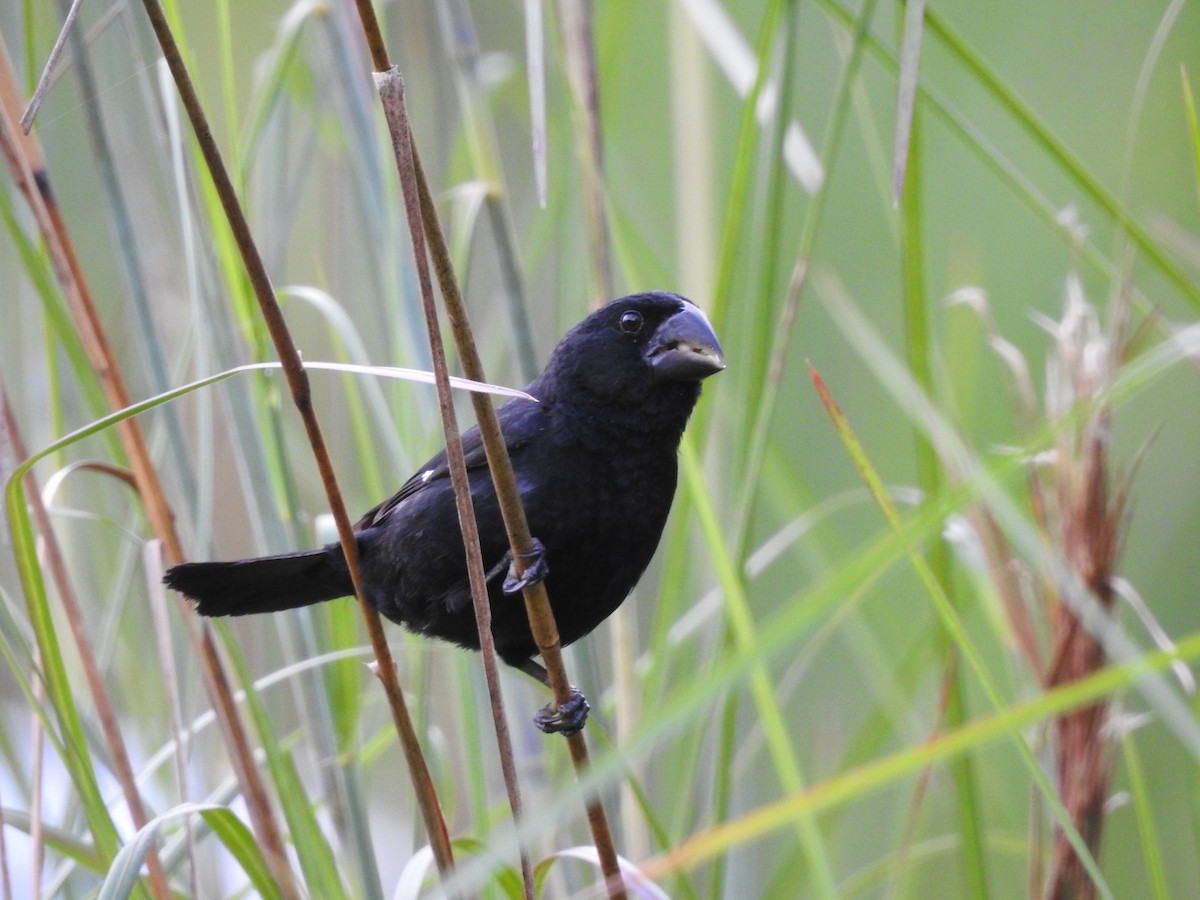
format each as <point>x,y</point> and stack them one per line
<point>566,719</point>
<point>535,569</point>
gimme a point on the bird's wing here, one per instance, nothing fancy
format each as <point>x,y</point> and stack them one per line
<point>519,419</point>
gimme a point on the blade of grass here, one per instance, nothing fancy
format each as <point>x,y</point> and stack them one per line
<point>769,353</point>
<point>312,849</point>
<point>535,68</point>
<point>60,333</point>
<point>125,239</point>
<point>240,842</point>
<point>745,638</point>
<point>920,350</point>
<point>693,162</point>
<point>579,52</point>
<point>71,741</point>
<point>123,875</point>
<point>1152,849</point>
<point>69,845</point>
<point>737,210</point>
<point>763,331</point>
<point>376,195</point>
<point>1189,104</point>
<point>462,44</point>
<point>906,91</point>
<point>722,789</point>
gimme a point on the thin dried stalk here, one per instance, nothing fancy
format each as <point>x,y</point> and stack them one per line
<point>297,380</point>
<point>391,95</point>
<point>1005,578</point>
<point>537,603</point>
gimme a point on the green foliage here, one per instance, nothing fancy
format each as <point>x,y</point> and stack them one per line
<point>817,690</point>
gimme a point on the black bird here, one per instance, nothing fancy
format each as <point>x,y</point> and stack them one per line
<point>595,462</point>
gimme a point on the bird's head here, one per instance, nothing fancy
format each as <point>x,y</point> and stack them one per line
<point>645,353</point>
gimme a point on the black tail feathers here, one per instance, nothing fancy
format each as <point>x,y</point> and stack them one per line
<point>267,584</point>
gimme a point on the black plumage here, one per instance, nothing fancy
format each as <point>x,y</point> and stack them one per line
<point>595,462</point>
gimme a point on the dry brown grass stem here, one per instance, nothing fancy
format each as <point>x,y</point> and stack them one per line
<point>1089,530</point>
<point>1080,517</point>
<point>297,381</point>
<point>537,603</point>
<point>1086,518</point>
<point>391,95</point>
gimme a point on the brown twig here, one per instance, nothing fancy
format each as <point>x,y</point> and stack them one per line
<point>391,95</point>
<point>537,603</point>
<point>297,381</point>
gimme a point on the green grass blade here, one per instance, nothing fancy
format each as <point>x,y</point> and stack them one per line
<point>1152,847</point>
<point>71,739</point>
<point>920,341</point>
<point>906,92</point>
<point>741,623</point>
<point>1189,103</point>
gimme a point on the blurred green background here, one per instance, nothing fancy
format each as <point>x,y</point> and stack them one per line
<point>1050,139</point>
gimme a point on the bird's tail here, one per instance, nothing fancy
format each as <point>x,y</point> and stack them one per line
<point>266,584</point>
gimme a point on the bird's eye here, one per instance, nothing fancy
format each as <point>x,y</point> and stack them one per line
<point>631,322</point>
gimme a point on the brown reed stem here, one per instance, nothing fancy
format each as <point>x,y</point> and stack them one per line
<point>297,381</point>
<point>537,603</point>
<point>391,95</point>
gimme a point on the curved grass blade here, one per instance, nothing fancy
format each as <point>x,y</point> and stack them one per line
<point>123,875</point>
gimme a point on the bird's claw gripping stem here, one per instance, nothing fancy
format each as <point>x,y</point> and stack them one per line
<point>567,719</point>
<point>536,569</point>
